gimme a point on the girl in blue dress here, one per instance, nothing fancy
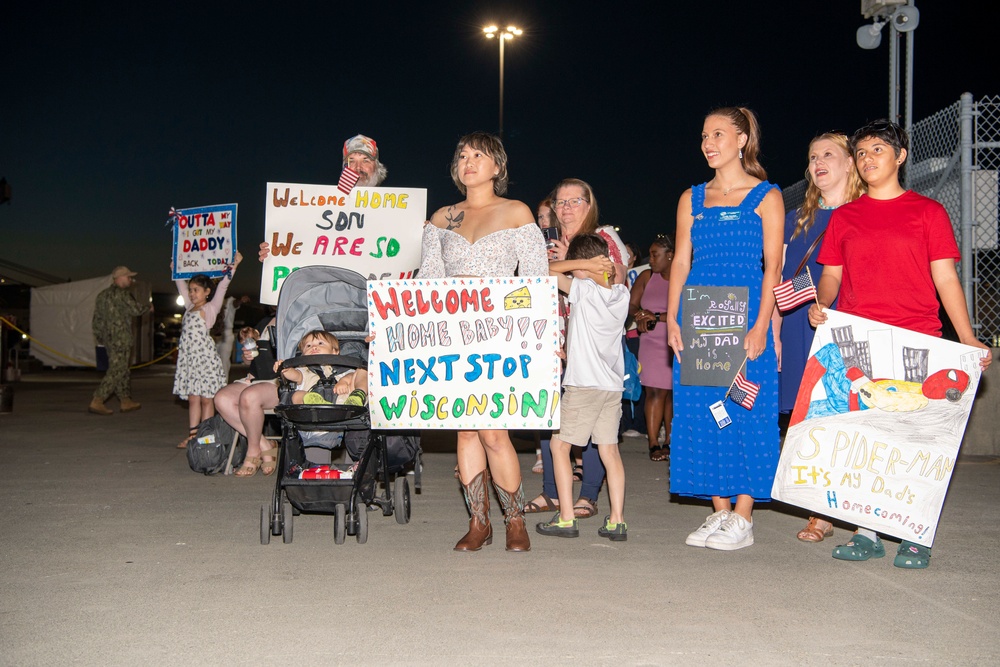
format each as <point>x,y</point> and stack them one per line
<point>729,233</point>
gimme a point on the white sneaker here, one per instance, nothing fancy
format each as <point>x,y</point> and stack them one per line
<point>735,533</point>
<point>631,433</point>
<point>712,523</point>
<point>661,437</point>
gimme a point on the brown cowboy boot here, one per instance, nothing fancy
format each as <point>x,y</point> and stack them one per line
<point>477,498</point>
<point>513,516</point>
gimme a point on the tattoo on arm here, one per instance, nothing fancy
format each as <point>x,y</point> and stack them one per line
<point>456,221</point>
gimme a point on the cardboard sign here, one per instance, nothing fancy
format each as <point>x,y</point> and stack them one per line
<point>877,426</point>
<point>204,241</point>
<point>464,353</point>
<point>374,231</point>
<point>713,326</point>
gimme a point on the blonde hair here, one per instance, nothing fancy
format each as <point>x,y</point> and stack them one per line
<point>589,224</point>
<point>322,335</point>
<point>856,187</point>
<point>745,122</point>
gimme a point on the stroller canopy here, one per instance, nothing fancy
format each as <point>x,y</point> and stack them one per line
<point>327,298</point>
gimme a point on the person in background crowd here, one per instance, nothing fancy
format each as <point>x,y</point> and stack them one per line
<point>112,325</point>
<point>648,306</point>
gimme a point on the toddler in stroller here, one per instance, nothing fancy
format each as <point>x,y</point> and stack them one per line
<point>351,387</point>
<point>322,324</point>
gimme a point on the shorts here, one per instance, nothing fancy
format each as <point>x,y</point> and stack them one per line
<point>589,414</point>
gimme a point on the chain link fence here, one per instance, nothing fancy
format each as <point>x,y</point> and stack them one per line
<point>954,158</point>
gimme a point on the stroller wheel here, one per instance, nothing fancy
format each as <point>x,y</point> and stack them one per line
<point>286,523</point>
<point>401,499</point>
<point>339,524</point>
<point>265,526</point>
<point>362,517</point>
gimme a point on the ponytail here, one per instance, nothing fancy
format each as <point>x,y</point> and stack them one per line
<point>745,122</point>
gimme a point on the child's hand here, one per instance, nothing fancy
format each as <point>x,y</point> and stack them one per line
<point>277,365</point>
<point>343,386</point>
<point>239,258</point>
<point>264,251</point>
<point>601,264</point>
<point>817,316</point>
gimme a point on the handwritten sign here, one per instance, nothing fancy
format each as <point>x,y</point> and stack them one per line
<point>464,353</point>
<point>374,231</point>
<point>877,426</point>
<point>204,240</point>
<point>713,326</point>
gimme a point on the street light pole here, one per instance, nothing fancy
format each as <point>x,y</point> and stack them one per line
<point>502,36</point>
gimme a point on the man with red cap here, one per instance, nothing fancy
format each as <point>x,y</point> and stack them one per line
<point>361,155</point>
<point>112,325</point>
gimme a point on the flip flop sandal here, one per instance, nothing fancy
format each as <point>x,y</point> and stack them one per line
<point>538,468</point>
<point>535,508</point>
<point>816,530</point>
<point>859,548</point>
<point>584,511</point>
<point>659,453</point>
<point>912,556</point>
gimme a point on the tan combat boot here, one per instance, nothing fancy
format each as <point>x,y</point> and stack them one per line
<point>128,405</point>
<point>97,407</point>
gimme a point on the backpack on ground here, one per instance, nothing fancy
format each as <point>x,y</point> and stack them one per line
<point>208,451</point>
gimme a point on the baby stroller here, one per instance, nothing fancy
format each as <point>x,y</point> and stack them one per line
<point>334,300</point>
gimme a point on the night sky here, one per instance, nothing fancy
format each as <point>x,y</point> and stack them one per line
<point>112,113</point>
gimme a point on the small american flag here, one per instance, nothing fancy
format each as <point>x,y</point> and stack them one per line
<point>348,179</point>
<point>743,391</point>
<point>795,291</point>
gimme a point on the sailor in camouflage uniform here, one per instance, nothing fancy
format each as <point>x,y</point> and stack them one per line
<point>112,325</point>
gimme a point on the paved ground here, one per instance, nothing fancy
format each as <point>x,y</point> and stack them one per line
<point>115,553</point>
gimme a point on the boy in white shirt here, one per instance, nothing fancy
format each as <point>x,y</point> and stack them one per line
<point>592,385</point>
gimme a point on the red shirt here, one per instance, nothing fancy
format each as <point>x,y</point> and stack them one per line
<point>886,248</point>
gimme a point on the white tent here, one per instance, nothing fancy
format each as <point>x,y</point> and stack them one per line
<point>61,320</point>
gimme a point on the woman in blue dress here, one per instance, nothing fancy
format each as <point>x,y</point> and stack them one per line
<point>832,181</point>
<point>729,233</point>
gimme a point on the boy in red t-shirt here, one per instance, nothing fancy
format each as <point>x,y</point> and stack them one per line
<point>888,256</point>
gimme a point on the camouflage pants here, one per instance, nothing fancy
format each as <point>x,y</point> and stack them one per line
<point>116,380</point>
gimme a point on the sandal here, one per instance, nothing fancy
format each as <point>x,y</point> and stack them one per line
<point>659,453</point>
<point>268,467</point>
<point>251,464</point>
<point>534,508</point>
<point>538,468</point>
<point>585,511</point>
<point>912,556</point>
<point>191,433</point>
<point>859,548</point>
<point>577,472</point>
<point>816,530</point>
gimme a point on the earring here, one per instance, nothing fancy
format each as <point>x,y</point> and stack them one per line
<point>741,153</point>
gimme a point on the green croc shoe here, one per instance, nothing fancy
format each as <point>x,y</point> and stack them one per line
<point>912,556</point>
<point>312,398</point>
<point>559,528</point>
<point>859,548</point>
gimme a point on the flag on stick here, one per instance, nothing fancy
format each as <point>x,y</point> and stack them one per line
<point>795,291</point>
<point>348,179</point>
<point>743,391</point>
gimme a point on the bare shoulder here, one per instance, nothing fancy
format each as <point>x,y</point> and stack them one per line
<point>773,201</point>
<point>517,212</point>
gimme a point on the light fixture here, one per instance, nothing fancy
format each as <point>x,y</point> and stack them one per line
<point>870,36</point>
<point>502,36</point>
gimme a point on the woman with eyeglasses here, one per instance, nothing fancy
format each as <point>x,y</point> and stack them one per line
<point>485,235</point>
<point>576,211</point>
<point>831,181</point>
<point>648,307</point>
<point>725,228</point>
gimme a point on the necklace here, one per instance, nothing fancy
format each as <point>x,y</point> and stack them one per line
<point>726,191</point>
<point>822,205</point>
